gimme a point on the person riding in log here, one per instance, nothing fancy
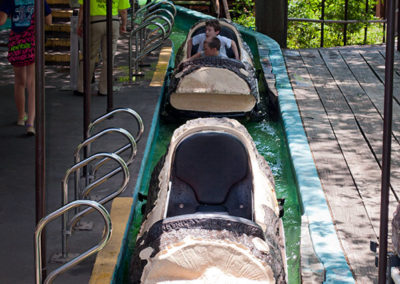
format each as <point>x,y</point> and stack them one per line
<point>213,29</point>
<point>98,36</point>
<point>211,48</point>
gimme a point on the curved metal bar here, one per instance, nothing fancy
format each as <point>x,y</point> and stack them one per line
<point>43,222</point>
<point>131,145</point>
<point>74,168</point>
<point>93,138</point>
<point>118,110</point>
<point>107,198</point>
<point>158,4</point>
<point>162,10</point>
<point>152,5</point>
<point>163,18</point>
<point>143,9</point>
<point>140,54</point>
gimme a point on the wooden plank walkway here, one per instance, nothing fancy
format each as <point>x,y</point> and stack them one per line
<point>340,93</point>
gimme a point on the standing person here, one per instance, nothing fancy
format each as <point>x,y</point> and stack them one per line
<point>213,29</point>
<point>21,54</point>
<point>98,36</point>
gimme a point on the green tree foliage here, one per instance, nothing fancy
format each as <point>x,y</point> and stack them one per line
<point>307,34</point>
<point>301,34</point>
<point>243,13</point>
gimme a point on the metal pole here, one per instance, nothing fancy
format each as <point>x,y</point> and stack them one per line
<point>322,23</point>
<point>398,25</point>
<point>386,151</point>
<point>366,27</point>
<point>40,151</point>
<point>86,68</point>
<point>346,5</point>
<point>109,57</point>
<point>74,51</point>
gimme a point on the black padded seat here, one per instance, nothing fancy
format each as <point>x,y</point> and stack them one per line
<point>211,173</point>
<point>226,32</point>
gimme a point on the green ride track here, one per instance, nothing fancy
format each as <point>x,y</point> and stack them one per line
<point>270,140</point>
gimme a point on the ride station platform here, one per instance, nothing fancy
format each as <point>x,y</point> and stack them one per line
<point>64,132</point>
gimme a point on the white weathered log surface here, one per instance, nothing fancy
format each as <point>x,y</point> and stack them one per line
<point>230,250</point>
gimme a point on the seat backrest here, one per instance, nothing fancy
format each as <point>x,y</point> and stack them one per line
<point>206,169</point>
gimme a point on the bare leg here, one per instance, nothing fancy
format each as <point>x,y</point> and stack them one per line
<point>19,90</point>
<point>30,85</point>
<point>216,7</point>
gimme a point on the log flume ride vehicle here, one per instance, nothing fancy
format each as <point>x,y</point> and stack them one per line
<point>212,215</point>
<point>214,86</point>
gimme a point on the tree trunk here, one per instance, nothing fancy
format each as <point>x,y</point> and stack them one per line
<point>271,19</point>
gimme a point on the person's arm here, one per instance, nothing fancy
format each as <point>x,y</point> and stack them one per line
<point>197,55</point>
<point>48,19</point>
<point>124,17</point>
<point>3,18</point>
<point>235,49</point>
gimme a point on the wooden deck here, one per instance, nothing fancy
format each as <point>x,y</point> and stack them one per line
<point>340,93</point>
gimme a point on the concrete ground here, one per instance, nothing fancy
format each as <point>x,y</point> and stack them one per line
<point>64,131</point>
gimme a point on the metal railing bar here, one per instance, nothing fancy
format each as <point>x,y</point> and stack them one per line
<point>77,155</point>
<point>93,138</point>
<point>346,8</point>
<point>168,22</point>
<point>152,5</point>
<point>366,28</point>
<point>104,200</point>
<point>159,4</point>
<point>335,21</point>
<point>118,152</point>
<point>44,221</point>
<point>74,168</point>
<point>161,10</point>
<point>322,23</point>
<point>133,113</point>
<point>140,54</point>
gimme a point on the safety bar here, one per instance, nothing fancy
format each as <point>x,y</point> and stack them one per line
<point>156,9</point>
<point>133,113</point>
<point>43,222</point>
<point>77,157</point>
<point>161,10</point>
<point>167,22</point>
<point>157,42</point>
<point>149,38</point>
<point>153,5</point>
<point>75,219</point>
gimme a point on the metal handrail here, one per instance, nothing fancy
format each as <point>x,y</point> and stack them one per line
<point>145,45</point>
<point>77,157</point>
<point>345,22</point>
<point>157,42</point>
<point>152,5</point>
<point>43,222</point>
<point>162,10</point>
<point>115,111</point>
<point>91,139</point>
<point>168,22</point>
<point>159,4</point>
<point>123,167</point>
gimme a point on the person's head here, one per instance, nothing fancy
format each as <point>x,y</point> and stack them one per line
<point>211,46</point>
<point>212,28</point>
